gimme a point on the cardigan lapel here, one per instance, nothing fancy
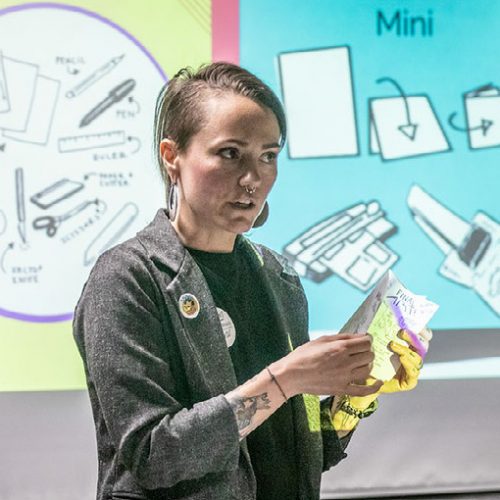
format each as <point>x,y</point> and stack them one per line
<point>203,333</point>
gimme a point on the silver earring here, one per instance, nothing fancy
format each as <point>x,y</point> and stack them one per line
<point>262,217</point>
<point>173,199</point>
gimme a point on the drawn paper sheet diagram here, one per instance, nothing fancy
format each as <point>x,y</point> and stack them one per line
<point>77,174</point>
<point>404,126</point>
<point>348,243</point>
<point>318,96</point>
<point>482,116</point>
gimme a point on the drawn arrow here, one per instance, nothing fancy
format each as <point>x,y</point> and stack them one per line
<point>87,176</point>
<point>137,141</point>
<point>138,108</point>
<point>485,125</point>
<point>10,246</point>
<point>409,129</point>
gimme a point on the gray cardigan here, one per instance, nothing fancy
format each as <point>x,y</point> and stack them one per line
<point>156,379</point>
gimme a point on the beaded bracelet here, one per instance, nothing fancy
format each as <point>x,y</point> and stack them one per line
<point>350,410</point>
<point>275,380</point>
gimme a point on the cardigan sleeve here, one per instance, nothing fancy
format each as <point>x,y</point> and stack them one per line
<point>121,338</point>
<point>333,447</point>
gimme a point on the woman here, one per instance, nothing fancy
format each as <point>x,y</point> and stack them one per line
<point>200,373</point>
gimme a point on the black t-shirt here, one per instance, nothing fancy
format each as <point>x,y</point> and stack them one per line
<point>236,289</point>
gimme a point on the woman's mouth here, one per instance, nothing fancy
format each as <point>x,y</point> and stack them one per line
<point>243,205</point>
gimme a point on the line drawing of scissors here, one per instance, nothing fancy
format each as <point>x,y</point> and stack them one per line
<point>51,222</point>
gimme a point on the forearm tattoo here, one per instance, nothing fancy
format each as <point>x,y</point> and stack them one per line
<point>246,407</point>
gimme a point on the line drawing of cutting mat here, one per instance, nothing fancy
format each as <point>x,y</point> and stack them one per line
<point>318,93</point>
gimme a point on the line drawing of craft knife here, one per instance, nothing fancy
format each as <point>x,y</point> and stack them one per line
<point>20,205</point>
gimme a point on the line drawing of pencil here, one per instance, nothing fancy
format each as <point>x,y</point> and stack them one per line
<point>94,77</point>
<point>20,205</point>
<point>111,232</point>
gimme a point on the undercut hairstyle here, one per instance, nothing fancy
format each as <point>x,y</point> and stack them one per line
<point>179,112</point>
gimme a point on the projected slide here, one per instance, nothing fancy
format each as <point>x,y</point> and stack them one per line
<point>77,175</point>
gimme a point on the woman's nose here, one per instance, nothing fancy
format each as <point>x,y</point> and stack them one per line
<point>251,174</point>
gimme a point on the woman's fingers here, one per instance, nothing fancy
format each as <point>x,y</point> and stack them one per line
<point>363,390</point>
<point>360,359</point>
<point>424,337</point>
<point>360,375</point>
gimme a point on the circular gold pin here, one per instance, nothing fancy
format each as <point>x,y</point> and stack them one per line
<point>189,305</point>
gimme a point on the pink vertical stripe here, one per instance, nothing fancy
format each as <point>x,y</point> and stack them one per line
<point>226,31</point>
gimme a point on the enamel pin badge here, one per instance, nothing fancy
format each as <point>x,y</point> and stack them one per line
<point>227,326</point>
<point>189,305</point>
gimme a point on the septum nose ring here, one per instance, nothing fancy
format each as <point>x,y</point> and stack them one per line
<point>250,190</point>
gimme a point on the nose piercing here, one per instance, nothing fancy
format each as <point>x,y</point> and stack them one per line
<point>250,190</point>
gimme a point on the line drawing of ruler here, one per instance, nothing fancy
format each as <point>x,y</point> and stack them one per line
<point>91,141</point>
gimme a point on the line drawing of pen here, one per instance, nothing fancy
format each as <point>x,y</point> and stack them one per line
<point>21,213</point>
<point>115,95</point>
<point>94,77</point>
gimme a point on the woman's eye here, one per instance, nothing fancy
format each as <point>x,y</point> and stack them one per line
<point>269,157</point>
<point>229,153</point>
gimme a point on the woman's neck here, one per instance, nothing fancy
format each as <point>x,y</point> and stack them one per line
<point>199,239</point>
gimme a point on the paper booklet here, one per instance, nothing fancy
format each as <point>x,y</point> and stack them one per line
<point>389,308</point>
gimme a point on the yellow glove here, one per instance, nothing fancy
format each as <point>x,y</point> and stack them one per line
<point>405,379</point>
<point>349,410</point>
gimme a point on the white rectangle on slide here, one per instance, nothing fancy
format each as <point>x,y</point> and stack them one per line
<point>318,95</point>
<point>42,112</point>
<point>20,77</point>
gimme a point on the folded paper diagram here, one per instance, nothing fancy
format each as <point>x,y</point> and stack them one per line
<point>404,126</point>
<point>323,124</point>
<point>482,111</point>
<point>472,249</point>
<point>348,243</point>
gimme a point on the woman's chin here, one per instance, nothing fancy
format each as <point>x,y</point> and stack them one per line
<point>241,225</point>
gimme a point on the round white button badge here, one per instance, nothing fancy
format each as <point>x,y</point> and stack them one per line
<point>189,305</point>
<point>227,326</point>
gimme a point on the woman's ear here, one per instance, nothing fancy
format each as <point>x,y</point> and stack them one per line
<point>169,155</point>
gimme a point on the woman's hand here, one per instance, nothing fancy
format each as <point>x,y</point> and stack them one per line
<point>331,364</point>
<point>406,377</point>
